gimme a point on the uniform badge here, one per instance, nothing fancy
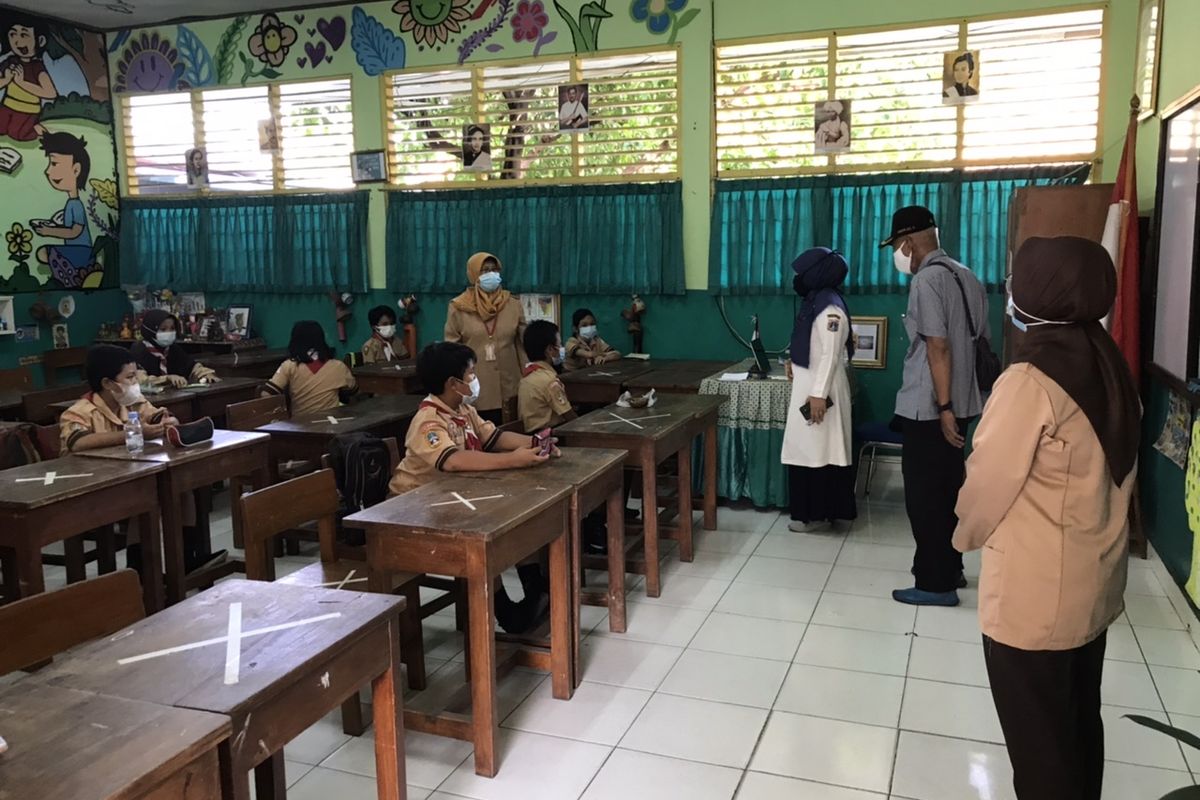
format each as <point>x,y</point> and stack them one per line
<point>835,323</point>
<point>433,438</point>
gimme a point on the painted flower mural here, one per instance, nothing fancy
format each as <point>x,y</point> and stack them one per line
<point>431,22</point>
<point>20,240</point>
<point>662,16</point>
<point>529,21</point>
<point>150,64</point>
<point>271,40</point>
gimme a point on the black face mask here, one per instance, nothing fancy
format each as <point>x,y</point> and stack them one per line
<point>798,286</point>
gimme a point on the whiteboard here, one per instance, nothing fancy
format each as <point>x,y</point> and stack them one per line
<point>1180,182</point>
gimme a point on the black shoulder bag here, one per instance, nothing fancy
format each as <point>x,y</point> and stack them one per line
<point>987,363</point>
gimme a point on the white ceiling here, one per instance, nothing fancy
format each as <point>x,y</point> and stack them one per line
<point>118,14</point>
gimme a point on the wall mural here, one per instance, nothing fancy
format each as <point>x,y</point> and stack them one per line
<point>58,194</point>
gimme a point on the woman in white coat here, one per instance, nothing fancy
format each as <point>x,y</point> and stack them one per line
<point>817,450</point>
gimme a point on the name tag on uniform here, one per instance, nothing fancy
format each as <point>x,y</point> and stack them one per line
<point>489,352</point>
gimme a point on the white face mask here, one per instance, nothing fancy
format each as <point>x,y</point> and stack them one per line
<point>588,331</point>
<point>386,331</point>
<point>165,338</point>
<point>313,355</point>
<point>470,399</point>
<point>902,262</point>
<point>130,394</point>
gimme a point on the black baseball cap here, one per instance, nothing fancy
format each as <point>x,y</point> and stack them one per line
<point>909,219</point>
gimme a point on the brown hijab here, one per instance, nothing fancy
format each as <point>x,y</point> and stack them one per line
<point>1069,279</point>
<point>475,300</point>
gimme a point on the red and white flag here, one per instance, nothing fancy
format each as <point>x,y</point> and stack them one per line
<point>1121,241</point>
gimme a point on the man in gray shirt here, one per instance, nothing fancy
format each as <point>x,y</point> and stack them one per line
<point>938,398</point>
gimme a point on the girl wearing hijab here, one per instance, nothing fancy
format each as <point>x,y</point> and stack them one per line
<point>161,359</point>
<point>817,448</point>
<point>1047,499</point>
<point>486,319</point>
<point>311,378</point>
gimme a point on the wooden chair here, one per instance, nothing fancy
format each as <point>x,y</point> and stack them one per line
<point>247,416</point>
<point>35,406</point>
<point>36,629</point>
<point>20,379</point>
<point>68,358</point>
<point>288,505</point>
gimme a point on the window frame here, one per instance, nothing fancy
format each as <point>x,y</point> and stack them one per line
<point>833,167</point>
<point>122,113</point>
<point>487,180</point>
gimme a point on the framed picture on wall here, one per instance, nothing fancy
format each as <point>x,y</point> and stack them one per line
<point>542,306</point>
<point>831,126</point>
<point>870,342</point>
<point>238,325</point>
<point>1149,43</point>
<point>960,77</point>
<point>369,166</point>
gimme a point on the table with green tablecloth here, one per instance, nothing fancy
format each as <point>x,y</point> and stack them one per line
<point>750,437</point>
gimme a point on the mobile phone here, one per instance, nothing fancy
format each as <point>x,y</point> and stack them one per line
<point>806,409</point>
<point>545,441</point>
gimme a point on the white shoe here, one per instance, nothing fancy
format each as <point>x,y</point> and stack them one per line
<point>807,527</point>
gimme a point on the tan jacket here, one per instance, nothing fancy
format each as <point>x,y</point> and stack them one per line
<point>541,399</point>
<point>500,375</point>
<point>91,414</point>
<point>309,392</point>
<point>375,350</point>
<point>435,434</point>
<point>599,349</point>
<point>1040,500</point>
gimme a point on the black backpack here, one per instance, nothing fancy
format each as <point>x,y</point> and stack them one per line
<point>987,363</point>
<point>362,468</point>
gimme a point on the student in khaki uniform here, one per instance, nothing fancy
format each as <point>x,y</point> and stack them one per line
<point>586,348</point>
<point>541,398</point>
<point>488,320</point>
<point>448,435</point>
<point>383,345</point>
<point>312,379</point>
<point>162,361</point>
<point>98,418</point>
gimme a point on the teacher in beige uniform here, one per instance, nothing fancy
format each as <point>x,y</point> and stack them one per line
<point>490,321</point>
<point>1047,499</point>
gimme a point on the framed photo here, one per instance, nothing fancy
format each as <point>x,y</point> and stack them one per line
<point>831,126</point>
<point>196,164</point>
<point>369,166</point>
<point>1149,44</point>
<point>960,77</point>
<point>62,337</point>
<point>191,303</point>
<point>477,147</point>
<point>542,306</point>
<point>870,342</point>
<point>573,106</point>
<point>268,136</point>
<point>238,324</point>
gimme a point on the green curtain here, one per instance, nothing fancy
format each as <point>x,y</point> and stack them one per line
<point>578,239</point>
<point>760,226</point>
<point>279,243</point>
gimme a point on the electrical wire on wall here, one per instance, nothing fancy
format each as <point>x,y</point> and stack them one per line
<point>733,331</point>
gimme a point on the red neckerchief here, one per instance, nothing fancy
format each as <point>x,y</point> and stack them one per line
<point>161,354</point>
<point>534,367</point>
<point>472,438</point>
<point>314,366</point>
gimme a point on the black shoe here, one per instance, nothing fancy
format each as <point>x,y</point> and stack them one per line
<point>961,583</point>
<point>595,538</point>
<point>518,618</point>
<point>193,562</point>
<point>133,557</point>
<point>632,515</point>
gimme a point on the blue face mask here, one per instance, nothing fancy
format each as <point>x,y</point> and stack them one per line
<point>561,356</point>
<point>1012,310</point>
<point>490,281</point>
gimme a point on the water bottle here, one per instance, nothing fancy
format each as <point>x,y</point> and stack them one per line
<point>134,441</point>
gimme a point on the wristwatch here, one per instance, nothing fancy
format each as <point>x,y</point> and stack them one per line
<point>944,408</point>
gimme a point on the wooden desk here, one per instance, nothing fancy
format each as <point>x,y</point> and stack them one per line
<point>259,364</point>
<point>396,377</point>
<point>70,745</point>
<point>677,377</point>
<point>210,400</point>
<point>180,402</point>
<point>707,409</point>
<point>10,403</point>
<point>230,454</point>
<point>602,384</point>
<point>195,346</point>
<point>649,436</point>
<point>307,437</point>
<point>301,652</point>
<point>82,494</point>
<point>468,528</point>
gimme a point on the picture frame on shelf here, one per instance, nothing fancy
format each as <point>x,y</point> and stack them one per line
<point>238,322</point>
<point>870,342</point>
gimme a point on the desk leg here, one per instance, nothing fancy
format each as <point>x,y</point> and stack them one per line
<point>685,504</point>
<point>172,533</point>
<point>562,643</point>
<point>650,524</point>
<point>73,557</point>
<point>203,499</point>
<point>710,478</point>
<point>269,780</point>
<point>616,561</point>
<point>481,626</point>
<point>576,560</point>
<point>149,534</point>
<point>29,579</point>
<point>388,705</point>
<point>235,783</point>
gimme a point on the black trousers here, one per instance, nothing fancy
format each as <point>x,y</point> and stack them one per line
<point>818,494</point>
<point>1049,707</point>
<point>934,471</point>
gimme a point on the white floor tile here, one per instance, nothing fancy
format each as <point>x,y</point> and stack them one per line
<point>621,662</point>
<point>770,602</point>
<point>957,624</point>
<point>864,613</point>
<point>940,768</point>
<point>658,624</point>
<point>1125,781</point>
<point>1130,743</point>
<point>1165,648</point>
<point>866,581</point>
<point>1122,645</point>
<point>532,767</point>
<point>1191,725</point>
<point>1144,581</point>
<point>447,689</point>
<point>948,662</point>
<point>683,591</point>
<point>1179,688</point>
<point>749,636</point>
<point>696,730</point>
<point>441,639</point>
<point>293,771</point>
<point>784,572</point>
<point>429,759</point>
<point>1129,685</point>
<point>726,679</point>
<point>826,751</point>
<point>318,742</point>
<point>947,709</point>
<point>760,786</point>
<point>1152,612</point>
<point>842,694</point>
<point>706,564</point>
<point>844,648</point>
<point>819,547</point>
<point>745,520</point>
<point>320,784</point>
<point>640,776</point>
<point>876,556</point>
<point>597,713</point>
<point>727,541</point>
